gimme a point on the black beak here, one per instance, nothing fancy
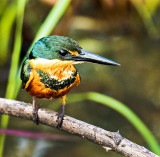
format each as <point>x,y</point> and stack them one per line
<point>86,56</point>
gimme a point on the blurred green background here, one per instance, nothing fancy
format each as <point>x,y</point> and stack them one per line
<point>127,32</point>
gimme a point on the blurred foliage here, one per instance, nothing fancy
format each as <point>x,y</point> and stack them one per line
<point>14,64</point>
<point>146,9</point>
<point>126,31</point>
<point>8,14</point>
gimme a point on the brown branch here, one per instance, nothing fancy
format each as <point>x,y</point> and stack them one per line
<point>109,140</point>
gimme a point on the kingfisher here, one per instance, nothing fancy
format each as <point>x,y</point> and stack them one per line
<point>49,70</point>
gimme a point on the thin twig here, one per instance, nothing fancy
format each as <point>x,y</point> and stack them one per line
<point>109,140</point>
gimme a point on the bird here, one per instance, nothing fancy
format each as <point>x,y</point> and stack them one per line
<point>49,69</point>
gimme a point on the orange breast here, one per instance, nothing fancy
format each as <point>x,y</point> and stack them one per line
<point>36,88</point>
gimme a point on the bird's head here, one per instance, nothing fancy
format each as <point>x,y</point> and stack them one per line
<point>65,49</point>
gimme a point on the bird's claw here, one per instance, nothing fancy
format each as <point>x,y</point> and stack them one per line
<point>35,115</point>
<point>60,120</point>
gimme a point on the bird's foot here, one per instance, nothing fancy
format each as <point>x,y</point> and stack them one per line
<point>35,115</point>
<point>61,116</point>
<point>60,120</point>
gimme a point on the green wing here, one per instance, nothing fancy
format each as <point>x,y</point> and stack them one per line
<point>25,72</point>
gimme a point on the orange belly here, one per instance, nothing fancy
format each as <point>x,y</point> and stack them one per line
<point>36,88</point>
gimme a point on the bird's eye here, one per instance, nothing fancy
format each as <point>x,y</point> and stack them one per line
<point>63,52</point>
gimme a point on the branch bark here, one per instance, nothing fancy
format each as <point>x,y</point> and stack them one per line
<point>109,140</point>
